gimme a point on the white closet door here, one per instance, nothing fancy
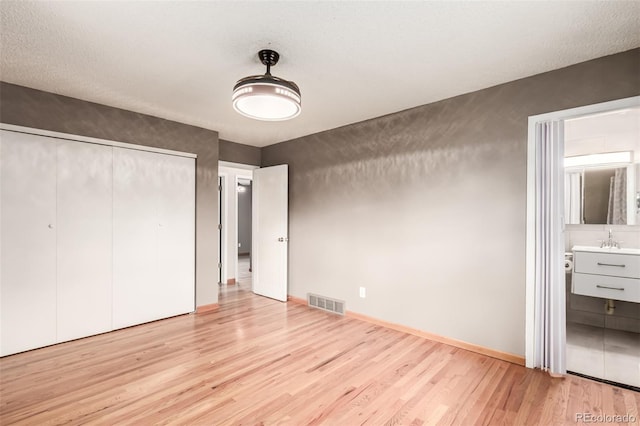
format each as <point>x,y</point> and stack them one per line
<point>28,252</point>
<point>84,239</point>
<point>176,234</point>
<point>153,239</point>
<point>135,275</point>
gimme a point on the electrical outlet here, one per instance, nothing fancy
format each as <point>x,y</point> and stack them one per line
<point>363,292</point>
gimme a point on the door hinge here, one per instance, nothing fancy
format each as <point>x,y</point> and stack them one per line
<point>220,226</point>
<point>219,265</point>
<point>219,187</point>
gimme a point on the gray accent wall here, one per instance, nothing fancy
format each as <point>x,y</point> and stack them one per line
<point>239,153</point>
<point>426,208</point>
<point>27,107</point>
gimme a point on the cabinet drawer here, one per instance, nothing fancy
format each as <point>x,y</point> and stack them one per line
<point>607,287</point>
<point>619,265</point>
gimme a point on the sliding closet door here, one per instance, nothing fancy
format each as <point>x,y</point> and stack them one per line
<point>84,239</point>
<point>28,242</point>
<point>135,275</point>
<point>176,234</point>
<point>153,236</point>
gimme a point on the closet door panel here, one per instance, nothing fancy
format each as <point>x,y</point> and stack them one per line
<point>85,222</point>
<point>28,242</point>
<point>176,235</point>
<point>135,272</point>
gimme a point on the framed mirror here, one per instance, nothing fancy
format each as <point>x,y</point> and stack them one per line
<point>601,194</point>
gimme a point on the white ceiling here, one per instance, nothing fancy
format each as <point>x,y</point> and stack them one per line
<point>352,60</point>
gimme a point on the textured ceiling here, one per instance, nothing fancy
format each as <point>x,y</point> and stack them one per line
<point>352,60</point>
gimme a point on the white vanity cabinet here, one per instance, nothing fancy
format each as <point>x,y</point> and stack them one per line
<point>607,273</point>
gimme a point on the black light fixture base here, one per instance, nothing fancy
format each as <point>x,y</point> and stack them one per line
<point>268,57</point>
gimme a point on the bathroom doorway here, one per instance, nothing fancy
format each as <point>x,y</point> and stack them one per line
<point>557,317</point>
<point>602,183</point>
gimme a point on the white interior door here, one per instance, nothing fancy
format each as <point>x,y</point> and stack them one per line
<point>84,182</point>
<point>270,231</point>
<point>28,242</point>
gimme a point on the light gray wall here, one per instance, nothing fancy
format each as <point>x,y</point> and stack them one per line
<point>23,106</point>
<point>244,221</point>
<point>426,208</point>
<point>239,153</point>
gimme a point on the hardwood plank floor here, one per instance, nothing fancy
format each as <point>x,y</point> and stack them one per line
<point>259,361</point>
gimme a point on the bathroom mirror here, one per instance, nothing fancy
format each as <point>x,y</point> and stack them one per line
<point>601,194</point>
<point>602,168</point>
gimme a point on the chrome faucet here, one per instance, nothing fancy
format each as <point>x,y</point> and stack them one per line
<point>610,243</point>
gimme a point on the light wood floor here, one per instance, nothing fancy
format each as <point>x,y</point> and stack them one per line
<point>258,361</point>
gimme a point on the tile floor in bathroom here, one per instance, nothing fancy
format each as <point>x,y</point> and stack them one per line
<point>604,353</point>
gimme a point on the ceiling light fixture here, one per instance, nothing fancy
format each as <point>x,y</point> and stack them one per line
<point>623,157</point>
<point>267,97</point>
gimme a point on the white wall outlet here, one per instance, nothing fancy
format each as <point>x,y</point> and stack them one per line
<point>363,292</point>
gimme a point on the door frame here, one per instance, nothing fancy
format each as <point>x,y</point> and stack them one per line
<point>231,172</point>
<point>530,288</point>
<point>221,225</point>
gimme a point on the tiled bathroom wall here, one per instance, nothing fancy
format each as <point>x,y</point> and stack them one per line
<point>592,235</point>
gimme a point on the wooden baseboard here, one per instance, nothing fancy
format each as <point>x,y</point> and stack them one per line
<point>231,281</point>
<point>505,356</point>
<point>296,300</point>
<point>207,308</point>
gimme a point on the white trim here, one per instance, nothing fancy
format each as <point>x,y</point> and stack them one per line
<point>235,223</point>
<point>223,220</point>
<point>87,139</point>
<point>531,204</point>
<point>530,247</point>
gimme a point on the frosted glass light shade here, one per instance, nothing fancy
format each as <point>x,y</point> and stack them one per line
<point>267,98</point>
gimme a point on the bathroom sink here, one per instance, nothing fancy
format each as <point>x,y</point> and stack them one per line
<point>624,250</point>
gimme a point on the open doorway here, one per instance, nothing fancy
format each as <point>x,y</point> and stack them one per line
<point>244,189</point>
<point>235,235</point>
<point>562,152</point>
<point>602,175</point>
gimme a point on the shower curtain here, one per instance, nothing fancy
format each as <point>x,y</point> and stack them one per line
<point>617,213</point>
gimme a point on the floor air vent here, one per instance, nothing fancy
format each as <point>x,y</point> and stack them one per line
<point>326,304</point>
